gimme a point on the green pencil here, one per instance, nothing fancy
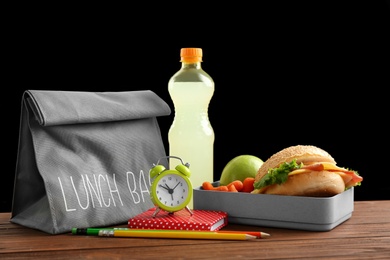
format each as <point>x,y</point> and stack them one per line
<point>92,231</point>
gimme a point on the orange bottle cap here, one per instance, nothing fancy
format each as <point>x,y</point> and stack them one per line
<point>191,55</point>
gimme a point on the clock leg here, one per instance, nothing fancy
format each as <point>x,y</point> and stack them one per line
<point>189,210</point>
<point>156,212</point>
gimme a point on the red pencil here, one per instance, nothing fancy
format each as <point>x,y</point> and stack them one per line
<point>257,234</point>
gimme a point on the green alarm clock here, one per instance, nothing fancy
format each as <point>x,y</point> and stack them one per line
<point>171,190</point>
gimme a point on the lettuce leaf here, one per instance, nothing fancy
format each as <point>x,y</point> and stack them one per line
<point>277,175</point>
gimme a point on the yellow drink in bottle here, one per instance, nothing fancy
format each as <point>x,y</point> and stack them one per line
<point>191,136</point>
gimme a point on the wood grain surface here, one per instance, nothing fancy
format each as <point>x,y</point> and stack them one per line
<point>366,235</point>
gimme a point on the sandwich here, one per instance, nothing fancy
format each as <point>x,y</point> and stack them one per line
<point>304,170</point>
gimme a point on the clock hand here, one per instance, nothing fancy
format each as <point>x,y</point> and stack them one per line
<point>173,189</point>
<point>176,185</point>
<point>164,187</point>
<point>170,191</point>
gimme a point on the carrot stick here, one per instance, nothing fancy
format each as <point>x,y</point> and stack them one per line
<point>208,186</point>
<point>237,184</point>
<point>232,188</point>
<point>248,184</point>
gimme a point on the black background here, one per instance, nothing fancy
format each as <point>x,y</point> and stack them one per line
<point>285,73</point>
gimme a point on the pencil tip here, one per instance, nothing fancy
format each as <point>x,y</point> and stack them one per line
<point>265,235</point>
<point>250,236</point>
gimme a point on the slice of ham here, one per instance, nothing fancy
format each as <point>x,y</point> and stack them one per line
<point>350,177</point>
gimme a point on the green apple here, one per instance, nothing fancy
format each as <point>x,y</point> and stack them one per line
<point>239,168</point>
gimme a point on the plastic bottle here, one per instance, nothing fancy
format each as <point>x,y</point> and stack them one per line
<point>191,136</point>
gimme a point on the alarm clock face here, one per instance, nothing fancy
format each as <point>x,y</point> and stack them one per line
<point>172,192</point>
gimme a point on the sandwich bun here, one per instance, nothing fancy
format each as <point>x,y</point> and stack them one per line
<point>315,183</point>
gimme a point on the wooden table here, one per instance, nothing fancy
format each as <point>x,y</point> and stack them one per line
<point>365,235</point>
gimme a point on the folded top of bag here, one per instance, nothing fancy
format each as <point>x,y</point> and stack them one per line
<point>72,107</point>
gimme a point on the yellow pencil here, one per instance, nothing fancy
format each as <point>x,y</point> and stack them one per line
<point>181,234</point>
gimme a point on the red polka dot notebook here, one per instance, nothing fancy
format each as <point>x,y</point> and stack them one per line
<point>208,220</point>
